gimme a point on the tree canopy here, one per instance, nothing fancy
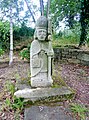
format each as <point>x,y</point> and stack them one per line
<point>71,12</point>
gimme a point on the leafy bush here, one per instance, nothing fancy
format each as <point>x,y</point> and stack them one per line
<point>25,54</point>
<point>19,33</point>
<point>4,34</point>
<point>68,36</point>
<point>23,32</point>
<point>1,51</point>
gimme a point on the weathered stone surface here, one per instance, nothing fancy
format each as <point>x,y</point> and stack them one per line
<point>68,56</point>
<point>84,62</point>
<point>84,57</point>
<point>22,86</point>
<point>45,113</point>
<point>76,61</point>
<point>46,94</point>
<point>76,55</point>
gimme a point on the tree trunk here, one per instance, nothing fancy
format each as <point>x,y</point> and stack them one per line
<point>84,22</point>
<point>11,37</point>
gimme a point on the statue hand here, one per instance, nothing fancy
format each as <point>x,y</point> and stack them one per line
<point>49,37</point>
<point>50,53</point>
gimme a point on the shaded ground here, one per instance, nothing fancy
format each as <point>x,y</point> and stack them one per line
<point>76,76</point>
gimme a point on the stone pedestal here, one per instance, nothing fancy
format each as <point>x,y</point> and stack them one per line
<point>41,55</point>
<point>45,94</point>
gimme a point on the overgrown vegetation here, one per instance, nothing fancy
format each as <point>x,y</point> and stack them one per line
<point>23,32</point>
<point>1,52</point>
<point>79,111</point>
<point>71,13</point>
<point>4,34</point>
<point>12,103</point>
<point>25,54</point>
<point>68,37</point>
<point>20,34</point>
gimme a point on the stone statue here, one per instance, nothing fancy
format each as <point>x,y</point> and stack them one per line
<point>41,54</point>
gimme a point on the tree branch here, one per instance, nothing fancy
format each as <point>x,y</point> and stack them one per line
<point>30,11</point>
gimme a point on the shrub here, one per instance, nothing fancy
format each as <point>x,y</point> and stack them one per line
<point>4,34</point>
<point>1,51</point>
<point>25,54</point>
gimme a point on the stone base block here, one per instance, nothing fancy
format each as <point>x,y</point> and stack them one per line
<point>40,83</point>
<point>45,94</point>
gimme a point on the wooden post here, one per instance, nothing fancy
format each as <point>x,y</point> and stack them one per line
<point>42,7</point>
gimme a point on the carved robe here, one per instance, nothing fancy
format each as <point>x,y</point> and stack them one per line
<point>39,63</point>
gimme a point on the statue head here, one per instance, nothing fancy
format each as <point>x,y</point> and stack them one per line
<point>41,28</point>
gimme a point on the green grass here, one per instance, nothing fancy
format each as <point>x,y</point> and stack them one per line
<point>79,110</point>
<point>61,42</point>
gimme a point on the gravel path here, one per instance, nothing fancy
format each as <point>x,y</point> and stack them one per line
<point>77,77</point>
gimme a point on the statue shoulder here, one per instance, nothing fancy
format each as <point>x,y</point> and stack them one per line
<point>34,42</point>
<point>35,47</point>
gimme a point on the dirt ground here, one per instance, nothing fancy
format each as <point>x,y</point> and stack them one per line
<point>76,76</point>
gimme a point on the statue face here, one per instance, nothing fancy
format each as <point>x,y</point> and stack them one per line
<point>41,34</point>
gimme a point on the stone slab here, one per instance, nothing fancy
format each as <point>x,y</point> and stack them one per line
<point>75,61</point>
<point>84,57</point>
<point>45,113</point>
<point>45,93</point>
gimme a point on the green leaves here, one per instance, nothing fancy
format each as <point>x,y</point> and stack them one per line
<point>79,109</point>
<point>10,87</point>
<point>18,103</point>
<point>19,33</point>
<point>68,10</point>
<point>1,52</point>
<point>4,34</point>
<point>7,102</point>
<point>12,102</point>
<point>64,9</point>
<point>25,54</point>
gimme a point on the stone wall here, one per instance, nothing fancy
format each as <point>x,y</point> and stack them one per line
<point>71,55</point>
